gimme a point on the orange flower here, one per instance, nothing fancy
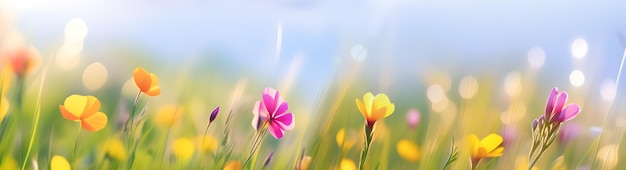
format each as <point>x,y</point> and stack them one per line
<point>84,109</point>
<point>23,60</point>
<point>148,83</point>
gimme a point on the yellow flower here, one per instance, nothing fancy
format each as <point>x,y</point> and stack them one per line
<point>376,107</point>
<point>347,164</point>
<point>8,163</point>
<point>521,163</point>
<point>4,107</point>
<point>114,148</point>
<point>148,83</point>
<point>84,109</point>
<point>408,150</point>
<point>169,115</point>
<point>488,147</point>
<point>305,163</point>
<point>342,140</point>
<point>210,143</point>
<point>59,163</point>
<point>233,165</point>
<point>183,148</point>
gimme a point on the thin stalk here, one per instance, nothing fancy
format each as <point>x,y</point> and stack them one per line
<point>36,122</point>
<point>257,142</point>
<point>76,146</point>
<point>164,148</point>
<point>206,130</point>
<point>130,123</point>
<point>366,147</point>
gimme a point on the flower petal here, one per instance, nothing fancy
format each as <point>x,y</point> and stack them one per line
<point>95,122</point>
<point>368,101</point>
<point>473,142</point>
<point>67,114</point>
<point>569,112</point>
<point>142,79</point>
<point>59,163</point>
<point>496,152</point>
<point>359,104</point>
<point>560,102</point>
<point>286,120</point>
<point>154,91</point>
<point>491,142</point>
<point>276,130</point>
<point>281,109</point>
<point>92,106</point>
<point>551,100</point>
<point>390,108</point>
<point>255,118</point>
<point>269,104</point>
<point>75,104</point>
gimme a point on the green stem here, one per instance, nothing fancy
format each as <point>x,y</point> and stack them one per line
<point>202,145</point>
<point>76,146</point>
<point>129,125</point>
<point>257,142</point>
<point>368,142</point>
<point>164,148</point>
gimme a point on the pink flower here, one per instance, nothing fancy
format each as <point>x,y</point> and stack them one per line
<point>413,118</point>
<point>555,111</point>
<point>272,111</point>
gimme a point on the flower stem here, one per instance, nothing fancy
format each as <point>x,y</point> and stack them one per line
<point>255,146</point>
<point>366,147</point>
<point>76,146</point>
<point>206,130</point>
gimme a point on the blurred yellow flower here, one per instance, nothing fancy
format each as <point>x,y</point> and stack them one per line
<point>6,80</point>
<point>59,163</point>
<point>559,164</point>
<point>4,107</point>
<point>521,163</point>
<point>305,163</point>
<point>183,148</point>
<point>376,107</point>
<point>84,109</point>
<point>342,140</point>
<point>115,149</point>
<point>210,143</point>
<point>8,163</point>
<point>168,115</point>
<point>408,150</point>
<point>488,147</point>
<point>347,164</point>
<point>233,165</point>
<point>148,83</point>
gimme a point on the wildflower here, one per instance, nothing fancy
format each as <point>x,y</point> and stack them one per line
<point>488,147</point>
<point>214,114</point>
<point>272,111</point>
<point>233,165</point>
<point>168,115</point>
<point>408,150</point>
<point>342,141</point>
<point>84,109</point>
<point>305,163</point>
<point>8,163</point>
<point>59,163</point>
<point>375,108</point>
<point>148,83</point>
<point>555,111</point>
<point>347,164</point>
<point>413,118</point>
<point>546,128</point>
<point>183,148</point>
<point>114,148</point>
<point>210,143</point>
<point>4,107</point>
<point>23,60</point>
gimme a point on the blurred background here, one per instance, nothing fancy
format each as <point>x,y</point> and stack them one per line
<point>497,60</point>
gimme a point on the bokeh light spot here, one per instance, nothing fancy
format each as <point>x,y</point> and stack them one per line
<point>579,48</point>
<point>536,57</point>
<point>577,78</point>
<point>94,76</point>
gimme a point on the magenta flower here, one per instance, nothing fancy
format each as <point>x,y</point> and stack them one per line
<point>555,110</point>
<point>272,112</point>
